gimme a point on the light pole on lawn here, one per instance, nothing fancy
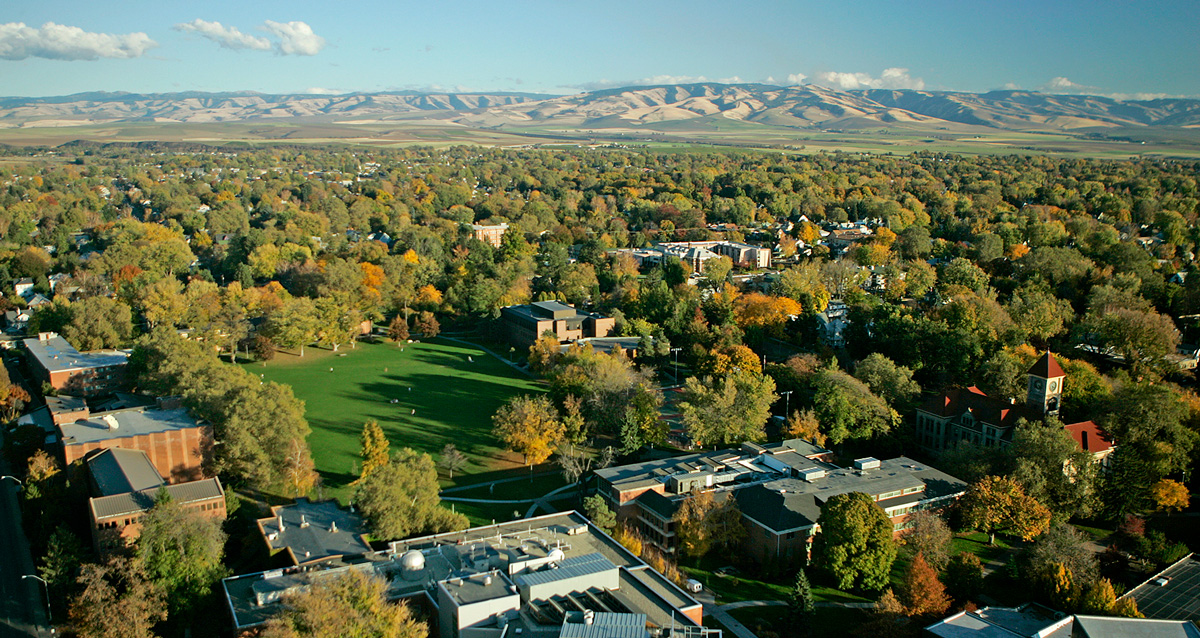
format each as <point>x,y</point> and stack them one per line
<point>49,620</point>
<point>675,351</point>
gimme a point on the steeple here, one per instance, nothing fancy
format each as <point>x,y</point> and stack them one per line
<point>1045,385</point>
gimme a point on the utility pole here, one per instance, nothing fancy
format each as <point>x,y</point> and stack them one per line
<point>787,402</point>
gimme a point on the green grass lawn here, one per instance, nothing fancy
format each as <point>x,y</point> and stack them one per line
<point>451,400</point>
<point>977,543</point>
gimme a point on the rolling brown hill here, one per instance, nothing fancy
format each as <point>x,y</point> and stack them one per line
<point>802,107</point>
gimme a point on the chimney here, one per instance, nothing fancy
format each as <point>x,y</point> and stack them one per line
<point>303,522</point>
<point>281,527</point>
<point>333,527</point>
<point>1085,440</point>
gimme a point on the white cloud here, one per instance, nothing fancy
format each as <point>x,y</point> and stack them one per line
<point>317,90</point>
<point>227,37</point>
<point>796,78</point>
<point>295,37</point>
<point>893,78</point>
<point>61,42</point>
<point>1063,85</point>
<point>656,80</point>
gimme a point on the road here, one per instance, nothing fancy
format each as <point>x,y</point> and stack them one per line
<point>22,602</point>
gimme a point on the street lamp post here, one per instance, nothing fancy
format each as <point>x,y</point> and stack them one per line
<point>13,478</point>
<point>49,620</point>
<point>675,352</point>
<point>787,401</point>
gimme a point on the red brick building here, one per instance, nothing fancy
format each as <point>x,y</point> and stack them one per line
<point>174,442</point>
<point>69,371</point>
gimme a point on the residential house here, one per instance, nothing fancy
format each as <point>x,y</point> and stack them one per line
<point>779,488</point>
<point>525,324</point>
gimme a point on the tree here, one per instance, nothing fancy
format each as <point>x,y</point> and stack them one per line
<point>1170,496</point>
<point>182,550</point>
<point>400,499</point>
<point>1060,562</point>
<point>923,594</point>
<point>294,325</point>
<point>730,409</point>
<point>962,272</point>
<point>1143,338</point>
<point>891,382</point>
<point>964,576</point>
<point>452,460</point>
<point>60,564</point>
<point>1049,465</point>
<point>847,409</point>
<point>350,604</point>
<point>398,330</point>
<point>801,605</point>
<point>599,513</point>
<point>530,426</point>
<point>427,325</point>
<point>1099,598</point>
<point>997,503</point>
<point>803,284</point>
<point>118,601</point>
<point>929,536</point>
<point>854,547</point>
<point>804,425</point>
<point>544,353</point>
<point>691,530</point>
<point>702,523</point>
<point>373,450</point>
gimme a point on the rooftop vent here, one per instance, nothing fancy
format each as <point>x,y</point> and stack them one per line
<point>333,527</point>
<point>811,474</point>
<point>868,463</point>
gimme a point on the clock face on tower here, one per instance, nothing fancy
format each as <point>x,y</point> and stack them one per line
<point>1053,386</point>
<point>1037,384</point>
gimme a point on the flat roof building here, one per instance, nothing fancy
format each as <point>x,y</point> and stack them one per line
<point>779,488</point>
<point>176,443</point>
<point>525,324</point>
<point>311,532</point>
<point>1032,620</point>
<point>67,370</point>
<point>550,576</point>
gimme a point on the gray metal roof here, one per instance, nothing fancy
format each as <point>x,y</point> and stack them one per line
<point>137,502</point>
<point>131,422</point>
<point>605,625</point>
<point>568,568</point>
<point>1107,627</point>
<point>55,355</point>
<point>118,471</point>
<point>309,531</point>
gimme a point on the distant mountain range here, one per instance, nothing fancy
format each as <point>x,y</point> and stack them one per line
<point>795,107</point>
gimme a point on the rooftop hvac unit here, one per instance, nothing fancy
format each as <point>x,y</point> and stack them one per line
<point>812,473</point>
<point>868,463</point>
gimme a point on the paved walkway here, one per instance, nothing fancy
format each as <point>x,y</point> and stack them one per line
<point>524,371</point>
<point>721,612</point>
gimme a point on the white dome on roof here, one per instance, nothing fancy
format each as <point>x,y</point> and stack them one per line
<point>413,560</point>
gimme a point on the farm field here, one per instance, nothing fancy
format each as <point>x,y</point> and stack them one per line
<point>446,392</point>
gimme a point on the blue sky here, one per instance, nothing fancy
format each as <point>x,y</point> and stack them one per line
<point>58,47</point>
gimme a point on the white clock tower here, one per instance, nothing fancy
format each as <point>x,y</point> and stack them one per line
<point>1045,385</point>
